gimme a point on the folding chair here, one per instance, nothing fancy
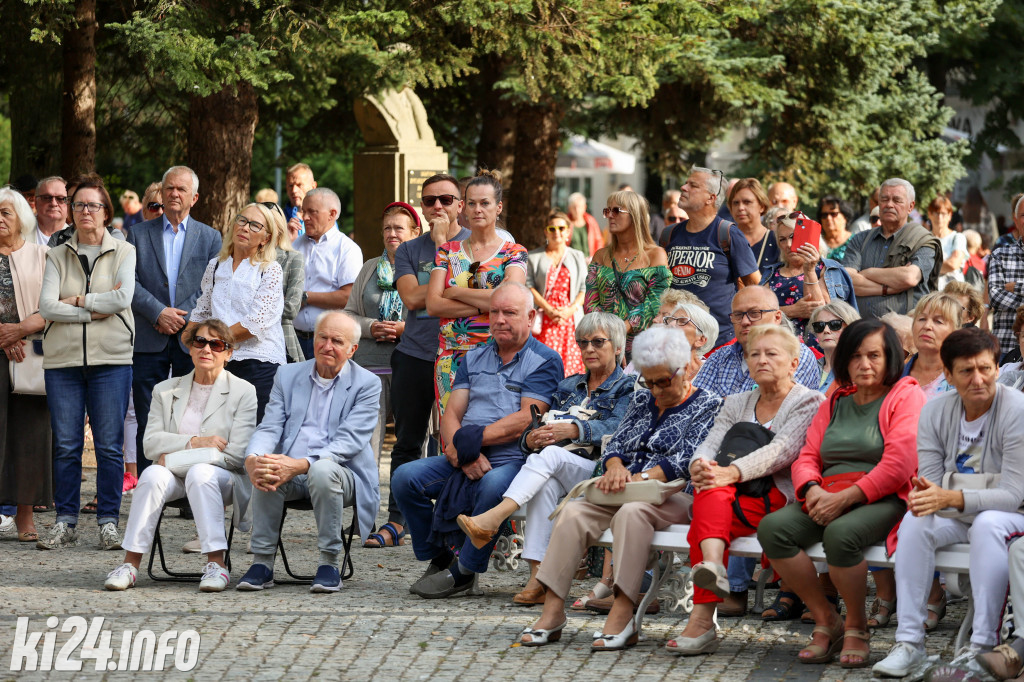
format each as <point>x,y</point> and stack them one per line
<point>346,540</point>
<point>158,548</point>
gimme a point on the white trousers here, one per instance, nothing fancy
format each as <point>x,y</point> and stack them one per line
<point>545,478</point>
<point>131,430</point>
<point>1016,564</point>
<point>989,536</point>
<point>208,489</point>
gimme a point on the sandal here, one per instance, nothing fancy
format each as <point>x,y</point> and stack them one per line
<point>28,536</point>
<point>820,654</point>
<point>601,590</point>
<point>877,618</point>
<point>539,637</point>
<point>863,655</point>
<point>808,619</point>
<point>936,612</point>
<point>43,508</point>
<point>783,610</point>
<point>90,508</point>
<point>395,539</point>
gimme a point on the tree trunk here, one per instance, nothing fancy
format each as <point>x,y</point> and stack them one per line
<point>34,86</point>
<point>221,128</point>
<point>496,147</point>
<point>78,133</point>
<point>538,140</point>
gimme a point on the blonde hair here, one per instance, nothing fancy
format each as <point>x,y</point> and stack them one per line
<point>677,297</point>
<point>264,254</point>
<point>947,305</point>
<point>787,340</point>
<point>640,212</point>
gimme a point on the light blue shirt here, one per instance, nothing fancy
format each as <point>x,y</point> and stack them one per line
<point>174,242</point>
<point>314,434</point>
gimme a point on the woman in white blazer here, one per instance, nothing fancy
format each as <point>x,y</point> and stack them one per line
<point>207,408</point>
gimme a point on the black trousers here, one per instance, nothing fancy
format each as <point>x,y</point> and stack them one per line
<point>412,397</point>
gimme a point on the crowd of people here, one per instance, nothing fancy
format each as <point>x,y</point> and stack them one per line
<point>803,380</point>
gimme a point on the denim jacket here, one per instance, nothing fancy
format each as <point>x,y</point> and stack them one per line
<point>837,280</point>
<point>610,400</point>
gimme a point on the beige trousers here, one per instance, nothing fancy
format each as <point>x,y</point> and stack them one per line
<point>580,524</point>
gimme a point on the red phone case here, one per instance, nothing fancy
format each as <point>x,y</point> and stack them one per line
<point>806,234</point>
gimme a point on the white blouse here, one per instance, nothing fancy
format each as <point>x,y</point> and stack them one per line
<point>248,296</point>
<point>192,420</point>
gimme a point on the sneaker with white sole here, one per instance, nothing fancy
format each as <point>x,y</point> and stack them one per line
<point>901,659</point>
<point>109,537</point>
<point>215,578</point>
<point>121,578</point>
<point>6,524</point>
<point>60,536</point>
<point>966,654</point>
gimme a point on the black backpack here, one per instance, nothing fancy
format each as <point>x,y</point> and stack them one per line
<point>740,440</point>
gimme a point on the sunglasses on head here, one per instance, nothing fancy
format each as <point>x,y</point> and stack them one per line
<point>834,325</point>
<point>216,345</point>
<point>445,199</point>
<point>596,342</point>
<point>272,206</point>
<point>153,206</point>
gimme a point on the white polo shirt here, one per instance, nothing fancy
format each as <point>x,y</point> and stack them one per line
<point>332,261</point>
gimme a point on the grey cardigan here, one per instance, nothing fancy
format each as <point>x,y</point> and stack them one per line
<point>938,433</point>
<point>371,353</point>
<point>789,426</point>
<point>538,262</point>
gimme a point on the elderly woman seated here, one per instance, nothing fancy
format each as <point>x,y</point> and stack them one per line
<point>852,478</point>
<point>665,422</point>
<point>684,310</point>
<point>215,403</point>
<point>966,439</point>
<point>732,498</point>
<point>564,449</point>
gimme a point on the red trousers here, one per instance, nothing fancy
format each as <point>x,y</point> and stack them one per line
<point>714,517</point>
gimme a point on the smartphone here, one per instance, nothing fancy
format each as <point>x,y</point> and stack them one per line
<point>807,232</point>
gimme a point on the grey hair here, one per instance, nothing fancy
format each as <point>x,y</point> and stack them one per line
<point>574,197</point>
<point>329,194</point>
<point>181,169</point>
<point>354,330</point>
<point>973,238</point>
<point>899,182</point>
<point>46,181</point>
<point>660,345</point>
<point>26,218</point>
<point>524,292</point>
<point>719,189</point>
<point>841,309</point>
<point>611,325</point>
<point>705,322</point>
<point>768,219</point>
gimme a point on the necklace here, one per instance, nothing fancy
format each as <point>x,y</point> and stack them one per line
<point>625,263</point>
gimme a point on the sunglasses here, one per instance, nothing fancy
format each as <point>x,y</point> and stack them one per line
<point>153,206</point>
<point>272,206</point>
<point>658,383</point>
<point>445,199</point>
<point>556,228</point>
<point>216,345</point>
<point>834,325</point>
<point>47,198</point>
<point>597,342</point>
<point>472,270</point>
<point>614,210</point>
<point>830,214</point>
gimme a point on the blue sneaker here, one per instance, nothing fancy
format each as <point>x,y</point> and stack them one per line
<point>327,579</point>
<point>258,577</point>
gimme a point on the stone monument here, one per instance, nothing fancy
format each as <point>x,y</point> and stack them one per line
<point>400,153</point>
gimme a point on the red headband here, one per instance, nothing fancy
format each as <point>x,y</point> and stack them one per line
<point>407,207</point>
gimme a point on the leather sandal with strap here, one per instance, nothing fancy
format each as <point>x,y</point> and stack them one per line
<point>878,619</point>
<point>540,637</point>
<point>820,654</point>
<point>863,655</point>
<point>783,610</point>
<point>601,590</point>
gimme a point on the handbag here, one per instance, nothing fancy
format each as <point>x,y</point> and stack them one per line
<point>740,440</point>
<point>27,377</point>
<point>953,480</point>
<point>178,463</point>
<point>651,492</point>
<point>573,413</point>
<point>836,483</point>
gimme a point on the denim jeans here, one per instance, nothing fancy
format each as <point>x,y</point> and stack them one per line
<point>740,570</point>
<point>102,391</point>
<point>415,484</point>
<point>148,370</point>
<point>411,403</point>
<point>305,344</point>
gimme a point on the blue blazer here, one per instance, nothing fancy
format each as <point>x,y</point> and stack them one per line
<point>152,292</point>
<point>353,417</point>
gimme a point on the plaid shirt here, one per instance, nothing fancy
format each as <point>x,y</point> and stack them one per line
<point>293,264</point>
<point>725,373</point>
<point>1006,265</point>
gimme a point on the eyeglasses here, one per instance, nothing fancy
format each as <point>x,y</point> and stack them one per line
<point>752,315</point>
<point>614,210</point>
<point>680,322</point>
<point>556,228</point>
<point>834,325</point>
<point>658,383</point>
<point>87,207</point>
<point>154,206</point>
<point>445,199</point>
<point>272,206</point>
<point>216,345</point>
<point>253,226</point>
<point>47,198</point>
<point>597,342</point>
<point>721,180</point>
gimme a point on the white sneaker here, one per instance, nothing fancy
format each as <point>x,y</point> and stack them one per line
<point>902,657</point>
<point>109,537</point>
<point>215,578</point>
<point>121,578</point>
<point>193,546</point>
<point>6,524</point>
<point>61,535</point>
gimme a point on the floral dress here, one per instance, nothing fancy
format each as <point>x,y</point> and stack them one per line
<point>789,290</point>
<point>633,295</point>
<point>460,334</point>
<point>560,335</point>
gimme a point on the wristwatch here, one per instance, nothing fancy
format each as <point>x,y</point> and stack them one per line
<point>645,476</point>
<point>305,298</point>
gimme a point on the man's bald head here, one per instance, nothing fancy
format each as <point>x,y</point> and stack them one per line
<point>783,194</point>
<point>753,302</point>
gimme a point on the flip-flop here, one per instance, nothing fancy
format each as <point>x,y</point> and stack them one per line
<point>43,508</point>
<point>394,541</point>
<point>28,536</point>
<point>90,508</point>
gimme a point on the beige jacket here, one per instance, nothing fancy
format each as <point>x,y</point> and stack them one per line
<point>27,266</point>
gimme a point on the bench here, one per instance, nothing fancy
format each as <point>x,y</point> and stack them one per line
<point>673,587</point>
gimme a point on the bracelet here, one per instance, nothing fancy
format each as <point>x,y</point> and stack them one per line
<point>814,282</point>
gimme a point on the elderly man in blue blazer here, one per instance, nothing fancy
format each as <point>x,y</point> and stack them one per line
<point>172,252</point>
<point>314,443</point>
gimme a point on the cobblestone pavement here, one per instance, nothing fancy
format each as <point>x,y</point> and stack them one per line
<point>372,630</point>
